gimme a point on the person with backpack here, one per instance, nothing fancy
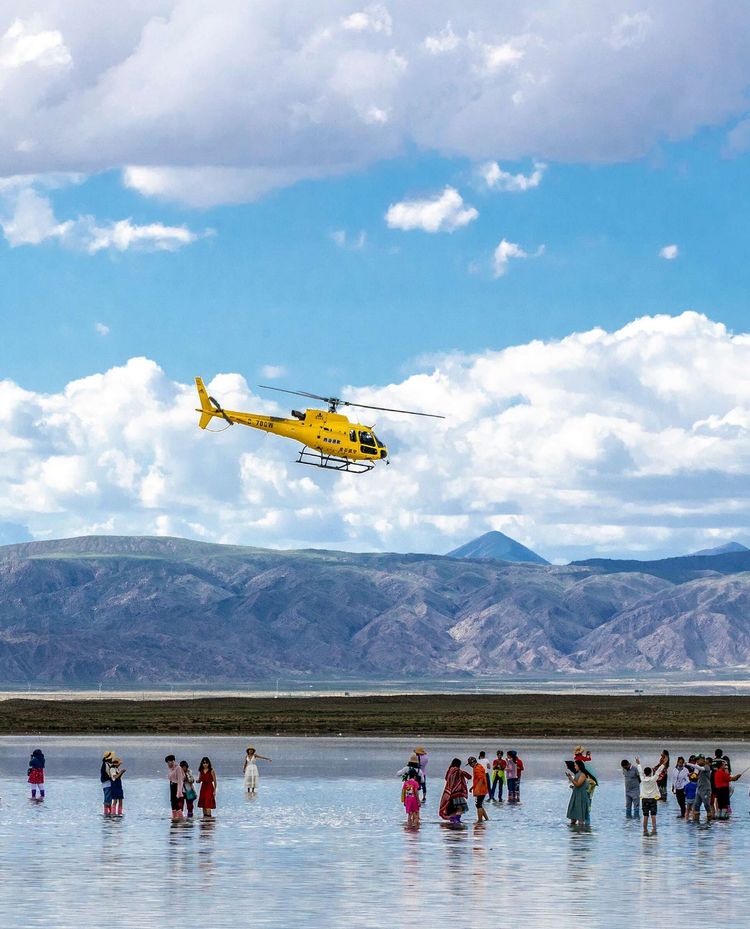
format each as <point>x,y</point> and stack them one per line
<point>410,797</point>
<point>412,768</point>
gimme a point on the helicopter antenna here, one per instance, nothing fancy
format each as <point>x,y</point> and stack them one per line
<point>335,402</point>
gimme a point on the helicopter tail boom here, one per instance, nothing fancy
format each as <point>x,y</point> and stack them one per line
<point>207,411</point>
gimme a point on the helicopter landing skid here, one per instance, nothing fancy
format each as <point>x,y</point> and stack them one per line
<point>332,463</point>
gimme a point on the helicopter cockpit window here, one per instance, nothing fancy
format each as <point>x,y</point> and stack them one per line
<point>365,438</point>
<point>353,435</point>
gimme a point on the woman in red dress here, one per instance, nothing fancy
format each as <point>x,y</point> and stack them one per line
<point>207,780</point>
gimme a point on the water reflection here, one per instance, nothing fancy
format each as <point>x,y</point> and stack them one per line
<point>331,848</point>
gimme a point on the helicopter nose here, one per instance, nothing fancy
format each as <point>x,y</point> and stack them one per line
<point>383,452</point>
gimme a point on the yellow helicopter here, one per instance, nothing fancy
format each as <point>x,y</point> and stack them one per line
<point>328,438</point>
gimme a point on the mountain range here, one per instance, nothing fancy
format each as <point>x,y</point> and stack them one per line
<point>157,610</point>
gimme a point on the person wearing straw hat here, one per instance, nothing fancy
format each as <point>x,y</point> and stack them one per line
<point>105,776</point>
<point>116,772</point>
<point>421,752</point>
<point>411,769</point>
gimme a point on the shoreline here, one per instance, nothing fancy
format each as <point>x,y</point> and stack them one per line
<point>429,715</point>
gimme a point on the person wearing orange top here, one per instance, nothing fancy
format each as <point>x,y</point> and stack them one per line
<point>479,787</point>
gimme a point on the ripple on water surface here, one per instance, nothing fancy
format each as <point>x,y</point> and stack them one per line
<point>324,844</point>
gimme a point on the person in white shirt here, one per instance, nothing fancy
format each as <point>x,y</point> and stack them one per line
<point>483,759</point>
<point>650,794</point>
<point>680,778</point>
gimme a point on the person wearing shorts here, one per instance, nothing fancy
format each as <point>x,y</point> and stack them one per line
<point>479,787</point>
<point>722,789</point>
<point>106,781</point>
<point>176,778</point>
<point>650,794</point>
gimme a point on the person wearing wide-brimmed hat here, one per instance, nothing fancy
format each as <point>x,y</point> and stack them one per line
<point>117,794</point>
<point>411,769</point>
<point>105,776</point>
<point>250,769</point>
<point>421,752</point>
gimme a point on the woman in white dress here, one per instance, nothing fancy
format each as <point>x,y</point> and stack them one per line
<point>250,769</point>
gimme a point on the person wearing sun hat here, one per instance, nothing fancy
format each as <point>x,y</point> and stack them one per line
<point>411,769</point>
<point>105,776</point>
<point>421,752</point>
<point>117,795</point>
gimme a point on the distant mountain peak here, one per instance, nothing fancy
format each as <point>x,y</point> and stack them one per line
<point>725,549</point>
<point>499,546</point>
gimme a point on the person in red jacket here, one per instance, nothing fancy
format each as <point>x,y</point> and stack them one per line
<point>479,787</point>
<point>722,780</point>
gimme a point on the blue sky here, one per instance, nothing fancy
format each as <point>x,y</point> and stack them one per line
<point>531,217</point>
<point>271,286</point>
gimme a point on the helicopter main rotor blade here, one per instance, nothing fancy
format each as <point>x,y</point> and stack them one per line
<point>389,409</point>
<point>339,402</point>
<point>301,393</point>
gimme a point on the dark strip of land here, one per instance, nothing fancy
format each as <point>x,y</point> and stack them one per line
<point>516,715</point>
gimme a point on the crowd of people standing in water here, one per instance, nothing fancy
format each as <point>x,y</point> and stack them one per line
<point>485,778</point>
<point>702,782</point>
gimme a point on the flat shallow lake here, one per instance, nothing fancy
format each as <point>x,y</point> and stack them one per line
<point>324,844</point>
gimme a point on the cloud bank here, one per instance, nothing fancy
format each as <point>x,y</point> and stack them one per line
<point>634,441</point>
<point>278,93</point>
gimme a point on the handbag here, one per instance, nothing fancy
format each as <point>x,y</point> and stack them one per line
<point>459,805</point>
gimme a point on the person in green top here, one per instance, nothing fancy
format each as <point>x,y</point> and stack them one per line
<point>498,777</point>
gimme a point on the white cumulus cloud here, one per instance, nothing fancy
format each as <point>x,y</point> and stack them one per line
<point>102,329</point>
<point>624,442</point>
<point>27,217</point>
<point>497,179</point>
<point>670,252</point>
<point>444,212</point>
<point>506,251</point>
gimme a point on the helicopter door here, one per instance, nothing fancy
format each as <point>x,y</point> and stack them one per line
<point>367,443</point>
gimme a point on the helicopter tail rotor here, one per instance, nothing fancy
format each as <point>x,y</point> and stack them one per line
<point>209,407</point>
